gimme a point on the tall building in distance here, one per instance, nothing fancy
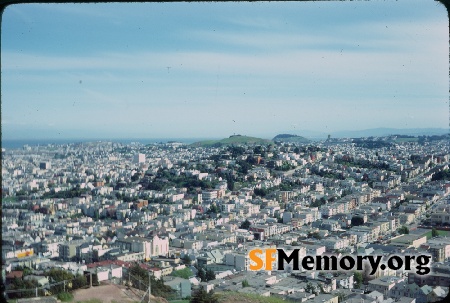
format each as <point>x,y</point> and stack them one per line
<point>139,158</point>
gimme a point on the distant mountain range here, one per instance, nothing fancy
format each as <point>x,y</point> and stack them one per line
<point>374,132</point>
<point>307,136</point>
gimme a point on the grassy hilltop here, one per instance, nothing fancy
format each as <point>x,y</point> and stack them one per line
<point>291,138</point>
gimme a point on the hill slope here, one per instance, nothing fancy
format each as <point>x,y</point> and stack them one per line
<point>290,138</point>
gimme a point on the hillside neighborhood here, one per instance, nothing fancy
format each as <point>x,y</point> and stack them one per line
<point>185,217</point>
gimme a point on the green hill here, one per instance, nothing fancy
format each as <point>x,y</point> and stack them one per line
<point>235,139</point>
<point>291,138</point>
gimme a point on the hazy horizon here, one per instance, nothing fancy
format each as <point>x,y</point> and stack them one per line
<point>211,69</point>
<point>309,134</point>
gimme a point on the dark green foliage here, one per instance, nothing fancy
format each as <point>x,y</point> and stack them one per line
<point>286,186</point>
<point>415,158</point>
<point>201,296</point>
<point>244,166</point>
<point>403,230</point>
<point>317,203</point>
<point>230,184</point>
<point>184,273</point>
<point>351,162</point>
<point>65,296</point>
<point>58,275</point>
<point>358,278</point>
<point>135,177</point>
<point>258,149</point>
<point>260,192</point>
<point>157,285</point>
<point>215,158</point>
<point>210,275</point>
<point>252,160</point>
<point>21,193</point>
<point>22,284</point>
<point>122,197</point>
<point>213,209</point>
<point>357,221</point>
<point>186,260</point>
<point>311,289</point>
<point>79,281</point>
<point>156,185</point>
<point>26,270</point>
<point>315,235</point>
<point>245,283</point>
<point>201,274</point>
<point>205,275</point>
<point>341,297</point>
<point>246,224</point>
<point>71,193</point>
<point>110,233</point>
<point>236,151</point>
<point>434,232</point>
<point>442,175</point>
<point>286,166</point>
<point>166,180</point>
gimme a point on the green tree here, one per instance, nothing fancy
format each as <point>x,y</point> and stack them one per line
<point>27,271</point>
<point>315,235</point>
<point>403,230</point>
<point>58,275</point>
<point>135,177</point>
<point>210,275</point>
<point>22,284</point>
<point>230,184</point>
<point>186,260</point>
<point>184,273</point>
<point>246,224</point>
<point>358,278</point>
<point>201,274</point>
<point>341,297</point>
<point>213,209</point>
<point>357,221</point>
<point>79,281</point>
<point>434,232</point>
<point>110,233</point>
<point>311,289</point>
<point>201,296</point>
<point>159,289</point>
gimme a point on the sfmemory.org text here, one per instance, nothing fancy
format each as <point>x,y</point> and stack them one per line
<point>264,259</point>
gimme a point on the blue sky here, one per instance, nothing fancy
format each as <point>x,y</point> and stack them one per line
<point>173,70</point>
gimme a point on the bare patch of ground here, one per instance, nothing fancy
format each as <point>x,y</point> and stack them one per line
<point>106,294</point>
<point>112,293</point>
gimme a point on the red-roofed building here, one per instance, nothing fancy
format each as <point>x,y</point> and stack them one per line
<point>13,275</point>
